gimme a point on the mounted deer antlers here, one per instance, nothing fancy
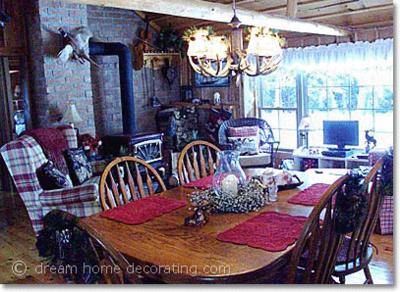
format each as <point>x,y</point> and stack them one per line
<point>76,45</point>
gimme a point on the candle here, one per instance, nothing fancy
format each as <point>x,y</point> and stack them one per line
<point>230,184</point>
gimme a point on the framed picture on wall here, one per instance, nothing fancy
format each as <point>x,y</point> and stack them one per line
<point>186,93</point>
<point>204,81</point>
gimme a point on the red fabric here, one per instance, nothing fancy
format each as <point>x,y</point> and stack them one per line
<point>270,231</point>
<point>245,131</point>
<point>202,184</point>
<point>53,144</point>
<point>310,196</point>
<point>140,211</point>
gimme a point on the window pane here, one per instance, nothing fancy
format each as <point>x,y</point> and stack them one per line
<point>315,138</point>
<point>288,119</point>
<point>362,98</point>
<point>384,121</point>
<point>338,97</point>
<point>288,139</point>
<point>269,97</point>
<point>271,116</point>
<point>337,115</point>
<point>362,78</point>
<point>317,98</point>
<point>342,80</point>
<point>317,116</point>
<point>316,79</point>
<point>384,98</point>
<point>288,79</point>
<point>383,139</point>
<point>288,97</point>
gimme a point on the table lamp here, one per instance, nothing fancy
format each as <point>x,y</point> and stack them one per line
<point>304,128</point>
<point>71,116</point>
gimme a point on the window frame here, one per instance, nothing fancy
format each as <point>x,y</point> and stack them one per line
<point>302,108</point>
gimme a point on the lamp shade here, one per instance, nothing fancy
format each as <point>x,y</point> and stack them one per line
<point>71,115</point>
<point>305,123</point>
<point>263,44</point>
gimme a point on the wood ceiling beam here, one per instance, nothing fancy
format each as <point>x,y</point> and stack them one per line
<point>350,13</point>
<point>204,10</point>
<point>291,9</point>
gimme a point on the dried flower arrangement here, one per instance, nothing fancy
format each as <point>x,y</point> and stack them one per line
<point>250,198</point>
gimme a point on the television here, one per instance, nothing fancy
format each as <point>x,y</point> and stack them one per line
<point>341,133</point>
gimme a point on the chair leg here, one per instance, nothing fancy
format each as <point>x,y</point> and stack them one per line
<point>342,279</point>
<point>367,273</point>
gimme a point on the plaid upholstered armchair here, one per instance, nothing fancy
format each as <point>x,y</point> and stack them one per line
<point>23,157</point>
<point>267,143</point>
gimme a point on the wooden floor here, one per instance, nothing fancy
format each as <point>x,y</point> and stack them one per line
<point>17,243</point>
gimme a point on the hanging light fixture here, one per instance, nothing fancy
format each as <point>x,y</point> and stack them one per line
<point>219,56</point>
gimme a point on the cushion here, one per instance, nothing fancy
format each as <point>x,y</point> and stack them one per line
<point>79,165</point>
<point>51,178</point>
<point>245,145</point>
<point>258,160</point>
<point>245,131</point>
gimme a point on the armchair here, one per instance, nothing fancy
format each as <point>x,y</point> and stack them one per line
<point>268,145</point>
<point>23,157</point>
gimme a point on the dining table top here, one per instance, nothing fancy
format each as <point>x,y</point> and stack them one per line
<point>167,250</point>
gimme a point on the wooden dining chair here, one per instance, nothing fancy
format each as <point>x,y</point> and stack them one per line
<point>196,160</point>
<point>112,266</point>
<point>127,179</point>
<point>357,251</point>
<point>314,255</point>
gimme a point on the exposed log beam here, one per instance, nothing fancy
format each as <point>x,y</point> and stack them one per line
<point>204,10</point>
<point>349,13</point>
<point>291,10</point>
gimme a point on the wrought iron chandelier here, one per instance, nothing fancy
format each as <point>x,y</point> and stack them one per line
<point>218,56</point>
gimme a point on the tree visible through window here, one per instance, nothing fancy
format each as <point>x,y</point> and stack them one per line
<point>364,95</point>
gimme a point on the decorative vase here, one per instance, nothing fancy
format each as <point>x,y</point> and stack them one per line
<point>229,175</point>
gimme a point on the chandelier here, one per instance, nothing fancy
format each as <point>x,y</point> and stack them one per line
<point>218,55</point>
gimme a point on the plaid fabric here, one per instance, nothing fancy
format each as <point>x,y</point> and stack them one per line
<point>385,223</point>
<point>84,209</point>
<point>23,157</point>
<point>244,131</point>
<point>385,219</point>
<point>79,194</point>
<point>71,137</point>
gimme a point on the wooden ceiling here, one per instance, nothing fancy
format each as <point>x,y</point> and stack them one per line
<point>350,14</point>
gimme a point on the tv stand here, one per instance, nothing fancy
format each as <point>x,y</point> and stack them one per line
<point>312,157</point>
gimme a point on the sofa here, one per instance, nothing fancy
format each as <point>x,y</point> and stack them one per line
<point>23,157</point>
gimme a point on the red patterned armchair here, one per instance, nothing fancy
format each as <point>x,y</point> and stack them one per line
<point>23,157</point>
<point>385,219</point>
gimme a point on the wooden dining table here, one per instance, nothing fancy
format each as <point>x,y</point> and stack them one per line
<point>166,250</point>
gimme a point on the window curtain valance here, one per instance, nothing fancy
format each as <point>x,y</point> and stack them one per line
<point>340,56</point>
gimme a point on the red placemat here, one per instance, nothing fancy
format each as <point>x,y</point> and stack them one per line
<point>140,211</point>
<point>203,183</point>
<point>270,231</point>
<point>309,196</point>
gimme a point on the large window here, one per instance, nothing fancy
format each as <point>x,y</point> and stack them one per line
<point>278,106</point>
<point>345,82</point>
<point>365,96</point>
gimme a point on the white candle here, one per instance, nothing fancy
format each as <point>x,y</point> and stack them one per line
<point>230,184</point>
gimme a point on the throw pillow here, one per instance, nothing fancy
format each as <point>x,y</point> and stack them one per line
<point>50,178</point>
<point>245,145</point>
<point>246,131</point>
<point>79,165</point>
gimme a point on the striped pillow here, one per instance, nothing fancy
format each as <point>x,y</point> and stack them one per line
<point>245,131</point>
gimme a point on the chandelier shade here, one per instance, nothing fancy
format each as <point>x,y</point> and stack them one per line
<point>219,56</point>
